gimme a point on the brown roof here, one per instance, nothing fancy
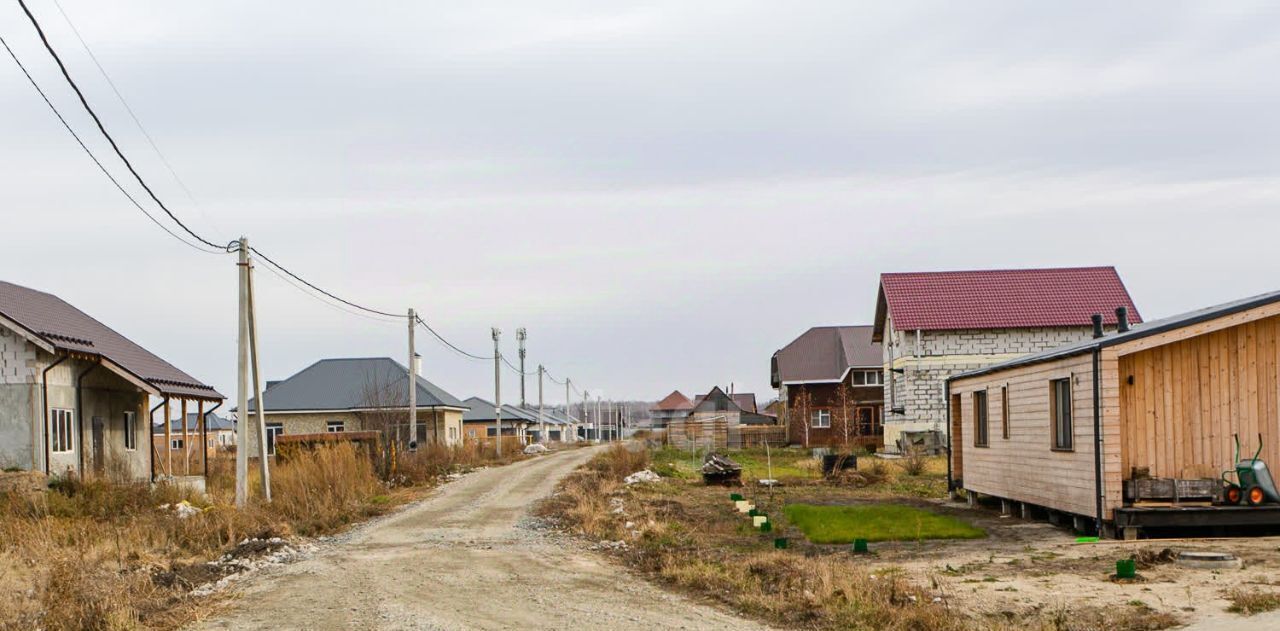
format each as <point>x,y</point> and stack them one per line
<point>674,402</point>
<point>1001,299</point>
<point>64,328</point>
<point>825,353</point>
<point>746,401</point>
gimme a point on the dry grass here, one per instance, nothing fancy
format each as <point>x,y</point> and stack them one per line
<point>914,461</point>
<point>1249,601</point>
<point>686,535</point>
<point>91,554</point>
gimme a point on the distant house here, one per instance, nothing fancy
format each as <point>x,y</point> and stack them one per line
<point>829,383</point>
<point>480,422</point>
<point>673,406</point>
<point>932,325</point>
<point>74,393</point>
<point>219,434</point>
<point>356,394</point>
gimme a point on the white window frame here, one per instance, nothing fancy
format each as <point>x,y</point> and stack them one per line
<point>274,431</point>
<point>130,431</point>
<point>61,431</point>
<point>820,419</point>
<point>334,427</point>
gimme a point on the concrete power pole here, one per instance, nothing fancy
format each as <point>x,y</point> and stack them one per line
<point>247,363</point>
<point>497,389</point>
<point>568,412</point>
<point>521,336</point>
<point>242,381</point>
<point>599,420</point>
<point>413,385</point>
<point>542,423</point>
<point>586,424</point>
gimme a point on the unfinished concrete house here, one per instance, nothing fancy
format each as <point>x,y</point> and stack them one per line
<point>74,393</point>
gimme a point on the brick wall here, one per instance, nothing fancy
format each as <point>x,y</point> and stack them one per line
<point>18,359</point>
<point>928,361</point>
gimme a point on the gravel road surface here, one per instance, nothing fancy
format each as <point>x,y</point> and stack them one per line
<point>468,557</point>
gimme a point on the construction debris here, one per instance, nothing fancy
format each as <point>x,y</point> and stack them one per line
<point>535,449</point>
<point>720,469</point>
<point>640,477</point>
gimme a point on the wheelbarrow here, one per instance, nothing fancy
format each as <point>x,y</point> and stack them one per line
<point>1254,484</point>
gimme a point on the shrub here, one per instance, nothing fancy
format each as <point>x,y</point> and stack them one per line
<point>914,460</point>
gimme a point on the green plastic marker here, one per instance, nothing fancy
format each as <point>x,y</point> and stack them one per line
<point>767,527</point>
<point>1086,540</point>
<point>780,543</point>
<point>860,546</point>
<point>1126,568</point>
<point>735,497</point>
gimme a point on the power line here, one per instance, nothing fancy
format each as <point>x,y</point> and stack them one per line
<point>303,290</point>
<point>85,103</point>
<point>97,162</point>
<point>313,286</point>
<point>127,107</point>
<point>449,344</point>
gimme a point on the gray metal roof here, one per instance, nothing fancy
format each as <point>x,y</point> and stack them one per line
<point>212,421</point>
<point>1138,331</point>
<point>352,384</point>
<point>64,328</point>
<point>482,410</point>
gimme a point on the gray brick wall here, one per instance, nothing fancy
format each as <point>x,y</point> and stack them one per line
<point>937,355</point>
<point>18,358</point>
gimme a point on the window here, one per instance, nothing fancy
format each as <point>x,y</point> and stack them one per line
<point>471,433</point>
<point>980,413</point>
<point>1060,411</point>
<point>822,418</point>
<point>453,433</point>
<point>130,431</point>
<point>334,427</point>
<point>1004,412</point>
<point>175,444</point>
<point>61,430</point>
<point>868,378</point>
<point>274,430</point>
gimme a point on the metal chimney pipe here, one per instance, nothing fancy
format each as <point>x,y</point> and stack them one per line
<point>1122,319</point>
<point>1097,325</point>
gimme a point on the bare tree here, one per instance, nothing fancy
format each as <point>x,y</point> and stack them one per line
<point>798,410</point>
<point>384,406</point>
<point>842,415</point>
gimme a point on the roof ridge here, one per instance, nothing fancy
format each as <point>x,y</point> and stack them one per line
<point>1006,270</point>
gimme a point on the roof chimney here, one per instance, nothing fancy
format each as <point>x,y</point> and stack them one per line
<point>417,364</point>
<point>1122,319</point>
<point>1097,325</point>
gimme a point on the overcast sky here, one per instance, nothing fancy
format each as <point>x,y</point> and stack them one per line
<point>662,193</point>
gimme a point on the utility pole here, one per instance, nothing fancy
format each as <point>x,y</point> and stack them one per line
<point>542,423</point>
<point>521,336</point>
<point>413,385</point>
<point>497,389</point>
<point>586,424</point>
<point>599,420</point>
<point>242,382</point>
<point>568,411</point>
<point>248,359</point>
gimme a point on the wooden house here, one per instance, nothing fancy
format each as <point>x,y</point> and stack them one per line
<point>1070,429</point>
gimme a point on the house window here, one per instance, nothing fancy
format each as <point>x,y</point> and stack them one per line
<point>334,427</point>
<point>868,378</point>
<point>61,430</point>
<point>274,430</point>
<point>130,431</point>
<point>1060,410</point>
<point>471,433</point>
<point>1004,412</point>
<point>175,444</point>
<point>980,413</point>
<point>822,418</point>
<point>453,433</point>
<point>491,431</point>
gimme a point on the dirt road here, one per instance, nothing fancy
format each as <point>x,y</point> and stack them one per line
<point>466,558</point>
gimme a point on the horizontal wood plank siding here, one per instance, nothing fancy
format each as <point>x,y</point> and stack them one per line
<point>1024,467</point>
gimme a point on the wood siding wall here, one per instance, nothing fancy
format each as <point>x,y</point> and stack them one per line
<point>1189,397</point>
<point>1024,467</point>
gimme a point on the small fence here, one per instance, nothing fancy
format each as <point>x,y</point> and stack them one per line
<point>717,433</point>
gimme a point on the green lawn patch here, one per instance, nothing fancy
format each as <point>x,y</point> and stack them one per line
<point>876,522</point>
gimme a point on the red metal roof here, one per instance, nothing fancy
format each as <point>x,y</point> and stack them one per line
<point>998,299</point>
<point>674,401</point>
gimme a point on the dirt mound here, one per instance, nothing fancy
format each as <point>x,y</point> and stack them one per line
<point>1148,558</point>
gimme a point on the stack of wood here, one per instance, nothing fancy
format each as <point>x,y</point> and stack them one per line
<point>719,469</point>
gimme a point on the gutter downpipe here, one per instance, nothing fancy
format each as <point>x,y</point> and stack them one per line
<point>946,396</point>
<point>151,436</point>
<point>204,437</point>
<point>80,414</point>
<point>44,400</point>
<point>1097,433</point>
